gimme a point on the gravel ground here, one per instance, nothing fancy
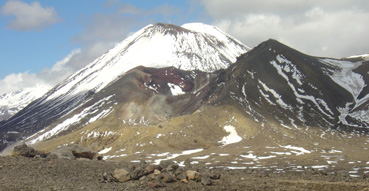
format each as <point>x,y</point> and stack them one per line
<point>21,173</point>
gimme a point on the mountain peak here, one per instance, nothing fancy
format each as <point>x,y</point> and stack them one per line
<point>190,47</point>
<point>271,48</point>
<point>273,44</point>
<point>169,28</point>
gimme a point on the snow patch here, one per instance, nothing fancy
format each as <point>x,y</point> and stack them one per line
<point>319,166</point>
<point>172,156</point>
<point>201,157</point>
<point>114,156</point>
<point>255,158</point>
<point>175,89</point>
<point>297,94</point>
<point>232,137</point>
<point>334,151</point>
<point>364,56</point>
<point>280,153</point>
<point>104,151</point>
<point>15,101</point>
<point>300,149</point>
<point>223,154</point>
<point>346,78</point>
<point>101,115</point>
<point>72,121</point>
<point>290,68</point>
<point>361,115</point>
<point>344,112</point>
<point>236,167</point>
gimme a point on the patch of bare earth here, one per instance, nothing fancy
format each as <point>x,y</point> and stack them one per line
<point>21,173</point>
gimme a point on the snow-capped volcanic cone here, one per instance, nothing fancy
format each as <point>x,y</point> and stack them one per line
<point>161,45</point>
<point>193,46</point>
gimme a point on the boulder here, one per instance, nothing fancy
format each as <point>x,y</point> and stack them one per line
<point>63,153</point>
<point>184,181</point>
<point>188,164</point>
<point>107,177</point>
<point>206,181</point>
<point>214,176</point>
<point>167,178</point>
<point>193,175</point>
<point>137,173</point>
<point>24,150</point>
<point>157,172</point>
<point>73,152</point>
<point>165,163</point>
<point>151,168</point>
<point>172,167</point>
<point>83,152</point>
<point>211,175</point>
<point>180,173</point>
<point>181,176</point>
<point>155,184</point>
<point>121,175</point>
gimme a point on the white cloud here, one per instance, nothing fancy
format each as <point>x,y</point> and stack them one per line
<point>89,54</point>
<point>48,77</point>
<point>60,70</point>
<point>333,28</point>
<point>14,82</point>
<point>28,16</point>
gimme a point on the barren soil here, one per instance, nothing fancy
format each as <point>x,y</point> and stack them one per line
<point>20,173</point>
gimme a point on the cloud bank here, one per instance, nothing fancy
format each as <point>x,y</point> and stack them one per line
<point>46,78</point>
<point>28,17</point>
<point>333,28</point>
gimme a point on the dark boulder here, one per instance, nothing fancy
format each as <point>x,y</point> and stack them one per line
<point>26,151</point>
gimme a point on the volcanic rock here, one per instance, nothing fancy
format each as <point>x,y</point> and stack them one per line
<point>167,178</point>
<point>74,151</point>
<point>26,151</point>
<point>155,184</point>
<point>193,175</point>
<point>205,180</point>
<point>121,175</point>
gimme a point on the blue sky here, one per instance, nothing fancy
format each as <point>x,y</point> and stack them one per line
<point>42,42</point>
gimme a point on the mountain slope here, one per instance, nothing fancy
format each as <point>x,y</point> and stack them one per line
<point>159,45</point>
<point>274,109</point>
<point>300,90</point>
<point>271,84</point>
<point>11,103</point>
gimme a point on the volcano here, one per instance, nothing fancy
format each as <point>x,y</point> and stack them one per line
<point>193,46</point>
<point>195,93</point>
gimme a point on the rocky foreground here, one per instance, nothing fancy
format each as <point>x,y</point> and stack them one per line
<point>29,169</point>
